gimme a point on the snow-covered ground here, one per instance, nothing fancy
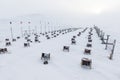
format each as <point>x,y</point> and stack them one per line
<point>25,63</point>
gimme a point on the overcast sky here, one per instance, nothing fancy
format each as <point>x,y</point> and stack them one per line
<point>104,12</point>
<point>57,7</point>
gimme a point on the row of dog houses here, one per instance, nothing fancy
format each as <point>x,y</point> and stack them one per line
<point>85,62</point>
<point>47,35</point>
<point>45,57</point>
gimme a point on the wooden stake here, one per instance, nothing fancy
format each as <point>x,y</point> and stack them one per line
<point>112,51</point>
<point>107,42</point>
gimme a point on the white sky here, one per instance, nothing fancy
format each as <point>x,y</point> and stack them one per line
<point>57,7</point>
<point>105,13</point>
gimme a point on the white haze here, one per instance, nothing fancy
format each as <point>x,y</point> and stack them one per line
<point>103,13</point>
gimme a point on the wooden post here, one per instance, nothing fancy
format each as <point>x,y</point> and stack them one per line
<point>112,51</point>
<point>107,42</point>
<point>102,38</point>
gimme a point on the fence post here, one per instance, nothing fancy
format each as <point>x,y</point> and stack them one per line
<point>102,38</point>
<point>112,51</point>
<point>107,42</point>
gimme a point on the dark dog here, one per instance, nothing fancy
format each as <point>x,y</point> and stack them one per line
<point>87,51</point>
<point>66,48</point>
<point>89,40</point>
<point>7,39</point>
<point>3,50</point>
<point>73,42</point>
<point>8,43</point>
<point>89,45</point>
<point>13,40</point>
<point>26,44</point>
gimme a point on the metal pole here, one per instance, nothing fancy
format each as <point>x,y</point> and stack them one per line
<point>45,27</point>
<point>11,33</point>
<point>21,31</point>
<point>36,29</point>
<point>40,27</point>
<point>29,28</point>
<point>49,27</point>
<point>21,28</point>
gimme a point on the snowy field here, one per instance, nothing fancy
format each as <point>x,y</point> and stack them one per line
<point>21,63</point>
